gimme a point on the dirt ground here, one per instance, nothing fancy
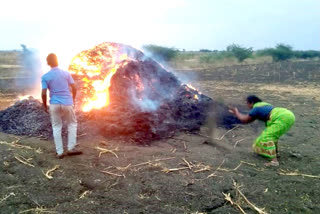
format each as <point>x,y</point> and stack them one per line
<point>184,174</point>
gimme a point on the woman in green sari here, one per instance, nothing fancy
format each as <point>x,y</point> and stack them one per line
<point>278,121</point>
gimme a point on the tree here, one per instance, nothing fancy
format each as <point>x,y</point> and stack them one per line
<point>281,52</point>
<point>239,52</point>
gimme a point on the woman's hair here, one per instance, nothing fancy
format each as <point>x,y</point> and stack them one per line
<point>52,60</point>
<point>253,99</point>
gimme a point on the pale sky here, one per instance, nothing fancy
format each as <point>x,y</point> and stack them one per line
<point>69,26</point>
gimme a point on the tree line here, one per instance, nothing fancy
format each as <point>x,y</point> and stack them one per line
<point>280,52</point>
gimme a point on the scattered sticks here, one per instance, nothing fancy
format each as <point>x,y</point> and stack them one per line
<point>260,211</point>
<point>214,173</point>
<point>114,174</point>
<point>16,145</point>
<point>283,172</point>
<point>237,167</point>
<point>103,150</point>
<point>220,138</point>
<point>227,197</point>
<point>189,165</point>
<point>38,210</point>
<point>230,170</point>
<point>7,196</point>
<point>149,162</point>
<point>240,194</point>
<point>204,168</point>
<point>48,173</point>
<point>23,160</point>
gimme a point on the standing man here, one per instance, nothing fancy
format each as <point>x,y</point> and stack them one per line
<point>278,121</point>
<point>61,105</point>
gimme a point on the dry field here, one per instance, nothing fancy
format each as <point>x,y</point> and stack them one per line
<point>184,174</point>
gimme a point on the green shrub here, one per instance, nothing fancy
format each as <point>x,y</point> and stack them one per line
<point>306,54</point>
<point>264,52</point>
<point>205,50</point>
<point>239,52</point>
<point>282,52</point>
<point>214,56</point>
<point>161,53</point>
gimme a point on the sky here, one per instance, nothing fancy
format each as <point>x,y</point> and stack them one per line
<point>67,27</point>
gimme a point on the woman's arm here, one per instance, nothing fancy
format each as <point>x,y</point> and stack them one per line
<point>244,118</point>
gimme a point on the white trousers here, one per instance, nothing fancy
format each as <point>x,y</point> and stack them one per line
<point>58,113</point>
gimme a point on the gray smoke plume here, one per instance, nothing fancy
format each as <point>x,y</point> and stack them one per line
<point>29,78</point>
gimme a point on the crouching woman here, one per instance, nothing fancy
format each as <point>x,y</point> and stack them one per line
<point>278,121</point>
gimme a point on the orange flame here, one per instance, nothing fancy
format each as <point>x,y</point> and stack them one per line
<point>97,65</point>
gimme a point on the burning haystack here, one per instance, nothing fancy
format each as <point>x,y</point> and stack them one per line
<point>123,93</point>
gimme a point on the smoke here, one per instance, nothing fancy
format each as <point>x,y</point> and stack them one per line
<point>187,77</point>
<point>29,77</point>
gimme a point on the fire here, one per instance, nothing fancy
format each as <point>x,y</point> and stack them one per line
<point>190,86</point>
<point>23,97</point>
<point>97,66</point>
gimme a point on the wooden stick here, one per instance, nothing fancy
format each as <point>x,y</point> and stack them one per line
<point>114,174</point>
<point>184,145</point>
<point>213,174</point>
<point>84,194</point>
<point>166,170</point>
<point>38,210</point>
<point>227,197</point>
<point>107,151</point>
<point>238,141</point>
<point>114,184</point>
<point>250,164</point>
<point>123,168</point>
<point>7,196</point>
<point>47,174</point>
<point>230,170</point>
<point>297,174</point>
<point>23,161</point>
<point>220,138</point>
<point>19,146</point>
<point>260,211</point>
<point>205,168</point>
<point>187,163</point>
<point>148,162</point>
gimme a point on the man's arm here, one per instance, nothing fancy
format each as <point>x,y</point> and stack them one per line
<point>74,92</point>
<point>244,118</point>
<point>44,99</point>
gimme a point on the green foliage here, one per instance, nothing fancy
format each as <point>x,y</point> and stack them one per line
<point>161,53</point>
<point>282,52</point>
<point>285,52</point>
<point>264,52</point>
<point>306,54</point>
<point>214,56</point>
<point>205,50</point>
<point>239,52</point>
